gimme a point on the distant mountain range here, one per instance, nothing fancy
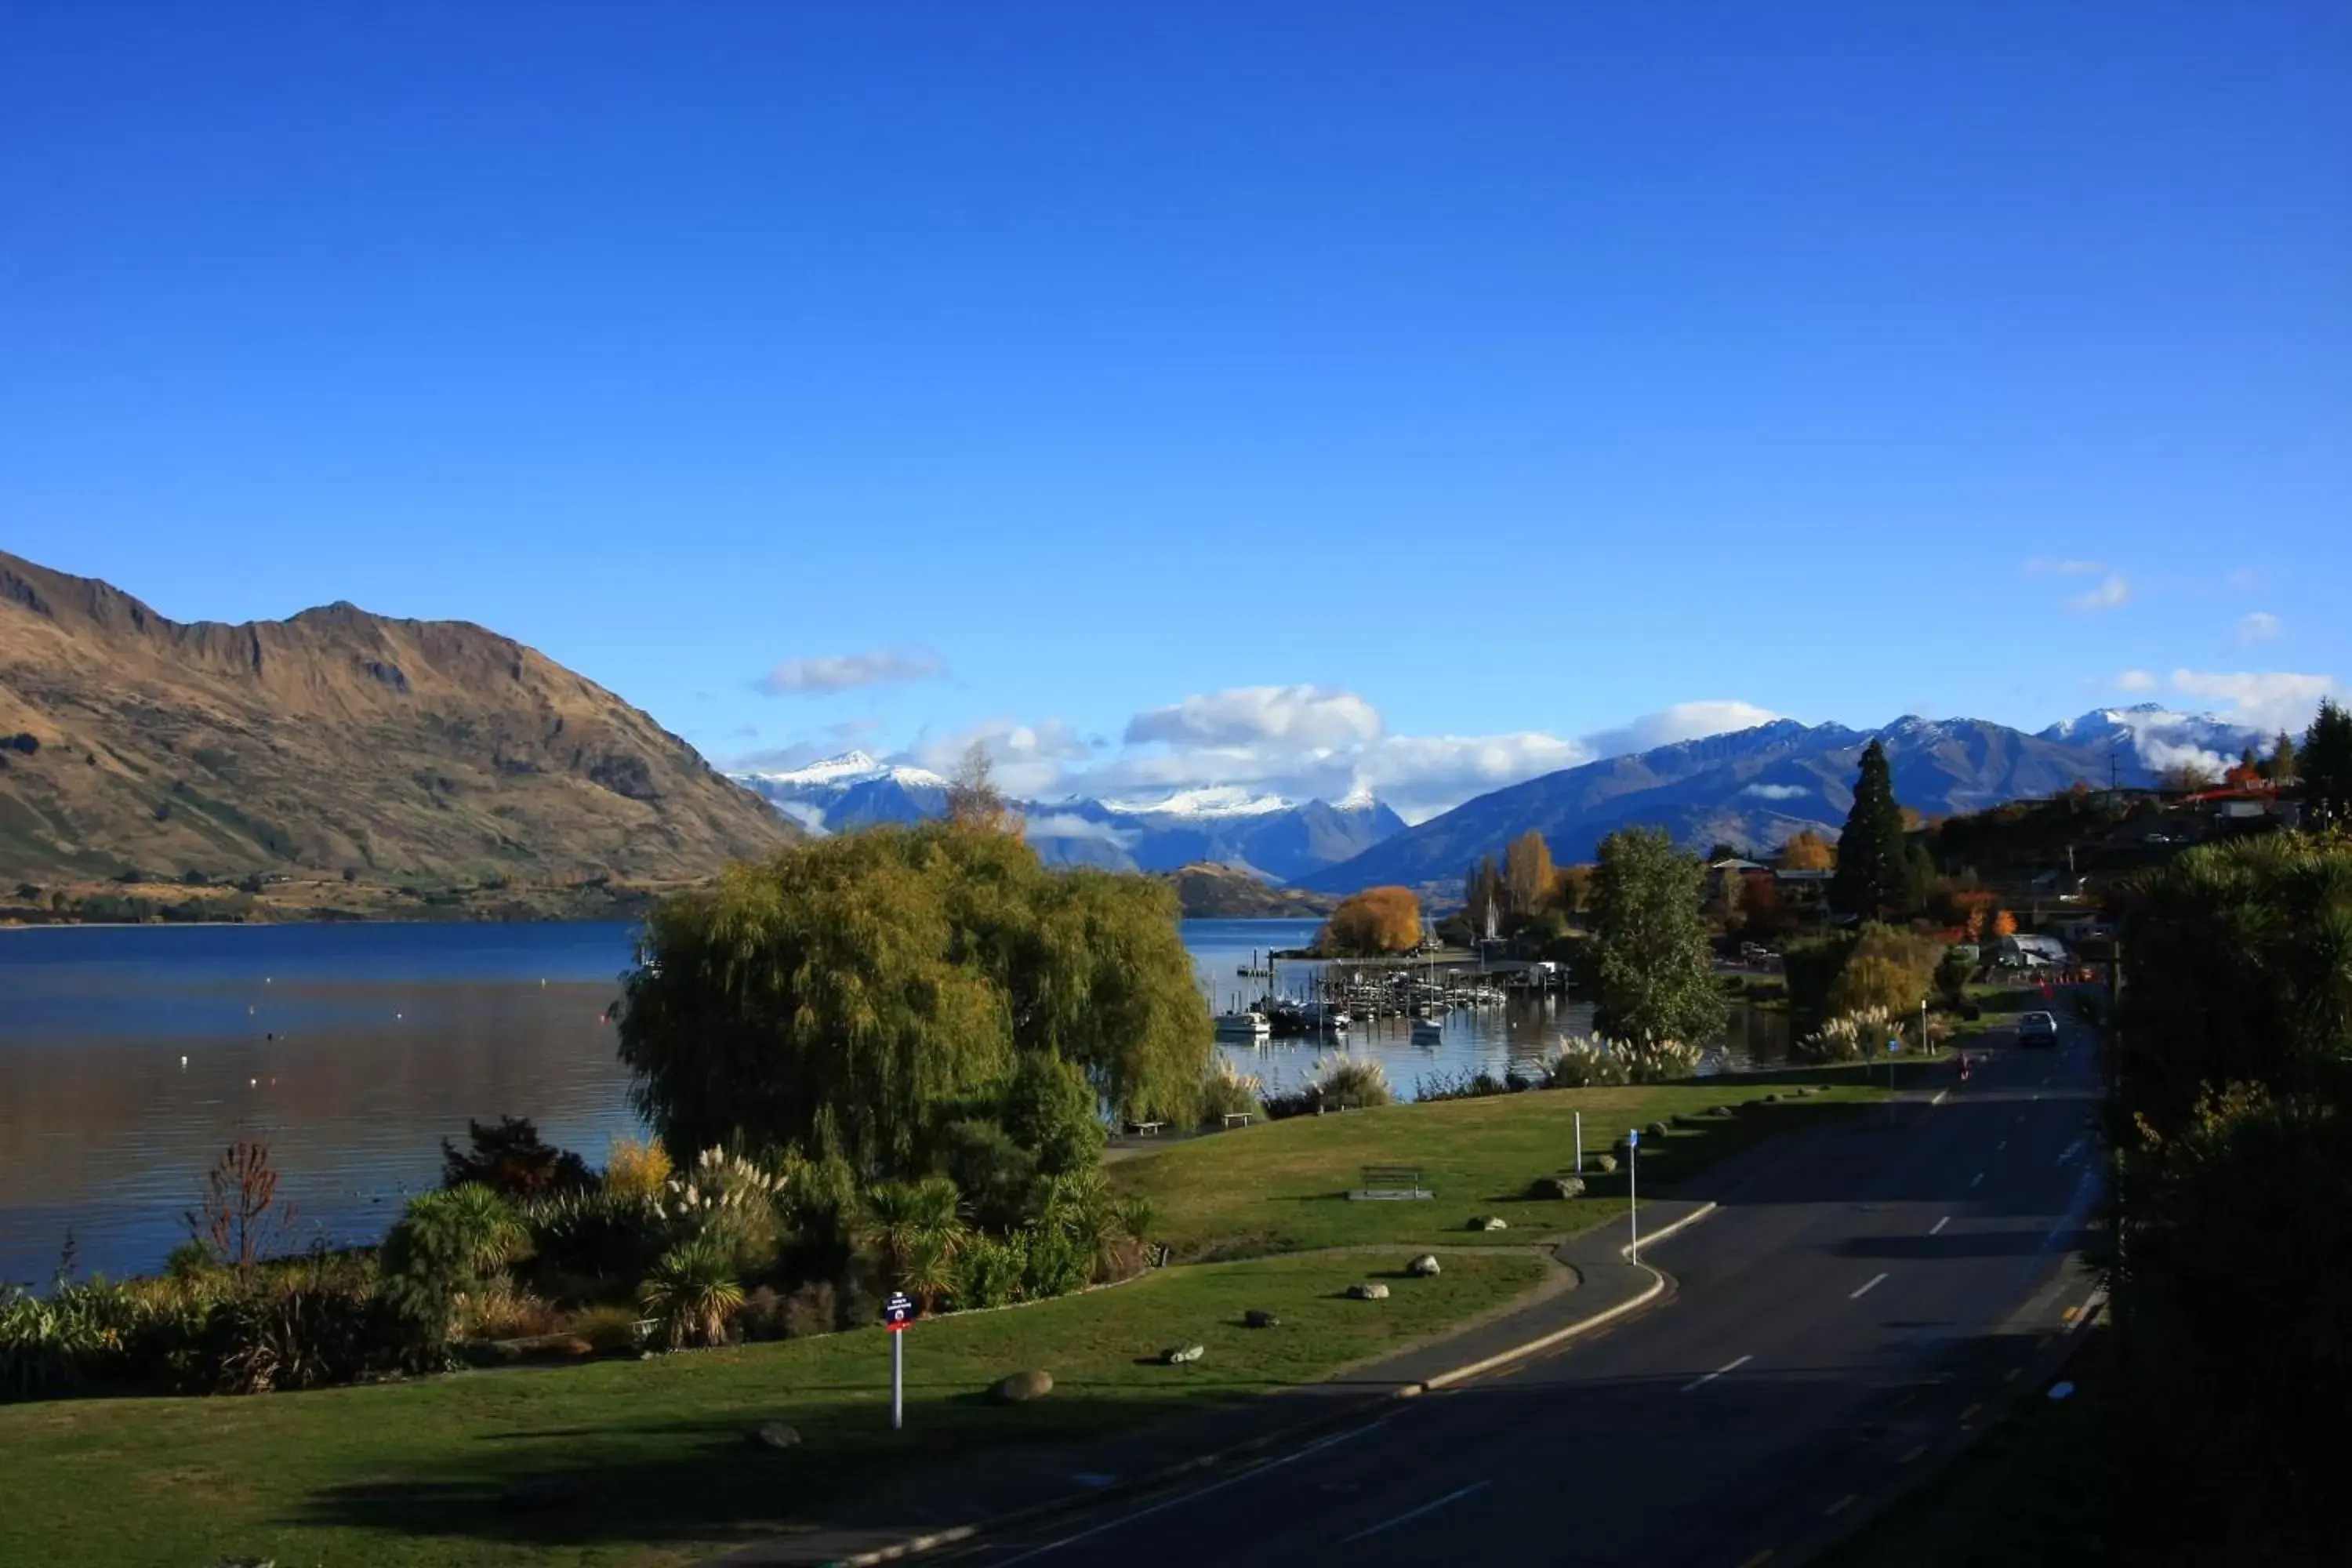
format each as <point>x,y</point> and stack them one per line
<point>337,741</point>
<point>1756,788</point>
<point>1276,839</point>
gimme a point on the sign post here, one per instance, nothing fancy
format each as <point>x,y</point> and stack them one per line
<point>1632,1204</point>
<point>1894,1043</point>
<point>897,1314</point>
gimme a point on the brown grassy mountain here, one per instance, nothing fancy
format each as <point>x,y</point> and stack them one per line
<point>426,750</point>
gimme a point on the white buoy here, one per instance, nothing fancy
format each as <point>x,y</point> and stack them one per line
<point>253,1083</point>
<point>183,1061</point>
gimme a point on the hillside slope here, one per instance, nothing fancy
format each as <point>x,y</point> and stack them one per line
<point>336,739</point>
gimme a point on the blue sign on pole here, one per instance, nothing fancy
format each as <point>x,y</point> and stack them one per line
<point>1633,1138</point>
<point>1894,1043</point>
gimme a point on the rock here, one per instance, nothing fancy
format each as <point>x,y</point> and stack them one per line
<point>1183,1355</point>
<point>1556,1188</point>
<point>1257,1317</point>
<point>1370,1291</point>
<point>1657,1130</point>
<point>1425,1267</point>
<point>1723,1111</point>
<point>1021,1387</point>
<point>1771,1100</point>
<point>773,1435</point>
<point>1602,1164</point>
<point>1490,1222</point>
<point>544,1492</point>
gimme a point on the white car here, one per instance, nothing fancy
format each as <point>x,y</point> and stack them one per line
<point>2037,1029</point>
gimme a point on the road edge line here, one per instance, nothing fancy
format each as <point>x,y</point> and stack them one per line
<point>916,1545</point>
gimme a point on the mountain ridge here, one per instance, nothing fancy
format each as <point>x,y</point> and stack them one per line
<point>1756,788</point>
<point>335,739</point>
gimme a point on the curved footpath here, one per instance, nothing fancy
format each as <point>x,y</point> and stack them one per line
<point>1853,1304</point>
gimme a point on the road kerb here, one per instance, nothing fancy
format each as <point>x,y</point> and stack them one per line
<point>916,1545</point>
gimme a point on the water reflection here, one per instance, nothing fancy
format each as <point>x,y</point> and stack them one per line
<point>130,1057</point>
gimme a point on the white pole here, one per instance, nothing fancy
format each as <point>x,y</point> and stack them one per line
<point>1580,1143</point>
<point>898,1378</point>
<point>1633,1199</point>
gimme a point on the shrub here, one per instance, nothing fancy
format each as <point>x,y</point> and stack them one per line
<point>1229,1091</point>
<point>991,1269</point>
<point>296,1333</point>
<point>501,1311</point>
<point>1051,1109</point>
<point>594,1236</point>
<point>443,1248</point>
<point>761,1315</point>
<point>1586,1061</point>
<point>610,1326</point>
<point>995,1174</point>
<point>811,1308</point>
<point>513,1161</point>
<point>1850,1036</point>
<point>635,1172</point>
<point>1056,1262</point>
<point>54,1346</point>
<point>1341,1079</point>
<point>691,1294</point>
<point>1462,1084</point>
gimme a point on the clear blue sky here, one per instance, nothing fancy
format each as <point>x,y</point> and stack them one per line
<point>1519,369</point>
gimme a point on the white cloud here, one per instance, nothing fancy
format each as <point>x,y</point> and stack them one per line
<point>1777,792</point>
<point>846,671</point>
<point>1683,722</point>
<point>2040,566</point>
<point>2268,700</point>
<point>1299,717</point>
<point>2112,593</point>
<point>2136,680</point>
<point>2259,626</point>
<point>1029,760</point>
<point>1068,824</point>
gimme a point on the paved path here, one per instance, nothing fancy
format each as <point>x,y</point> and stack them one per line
<point>1860,1297</point>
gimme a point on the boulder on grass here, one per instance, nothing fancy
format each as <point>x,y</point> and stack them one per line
<point>1258,1317</point>
<point>1183,1355</point>
<point>1369,1290</point>
<point>1021,1387</point>
<point>1425,1267</point>
<point>773,1435</point>
<point>1601,1164</point>
<point>1656,1129</point>
<point>1553,1189</point>
<point>1490,1222</point>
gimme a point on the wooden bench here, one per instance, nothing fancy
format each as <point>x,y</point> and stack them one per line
<point>1392,1184</point>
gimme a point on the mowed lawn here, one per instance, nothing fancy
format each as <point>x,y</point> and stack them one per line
<point>1283,1187</point>
<point>651,1457</point>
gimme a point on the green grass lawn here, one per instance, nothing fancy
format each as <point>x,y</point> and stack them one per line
<point>1282,1186</point>
<point>414,1474</point>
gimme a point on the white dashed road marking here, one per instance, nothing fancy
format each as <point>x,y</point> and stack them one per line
<point>1719,1372</point>
<point>1868,1287</point>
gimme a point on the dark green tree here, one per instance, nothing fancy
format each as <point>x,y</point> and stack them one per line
<point>1872,879</point>
<point>851,995</point>
<point>2325,764</point>
<point>1652,964</point>
<point>2282,766</point>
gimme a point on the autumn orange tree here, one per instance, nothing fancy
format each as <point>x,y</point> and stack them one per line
<point>1808,851</point>
<point>1374,921</point>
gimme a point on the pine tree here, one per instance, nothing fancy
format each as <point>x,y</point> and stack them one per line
<point>2325,764</point>
<point>1653,962</point>
<point>2283,763</point>
<point>1870,878</point>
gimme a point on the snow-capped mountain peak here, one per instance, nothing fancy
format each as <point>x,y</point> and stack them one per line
<point>849,768</point>
<point>1207,801</point>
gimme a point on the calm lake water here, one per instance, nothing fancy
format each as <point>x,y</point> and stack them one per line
<point>131,1055</point>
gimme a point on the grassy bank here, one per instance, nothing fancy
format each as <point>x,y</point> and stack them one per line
<point>1283,1187</point>
<point>420,1473</point>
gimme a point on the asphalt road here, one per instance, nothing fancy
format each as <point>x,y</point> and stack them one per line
<point>1859,1298</point>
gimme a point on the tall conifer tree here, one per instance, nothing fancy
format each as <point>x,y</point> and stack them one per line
<point>1870,878</point>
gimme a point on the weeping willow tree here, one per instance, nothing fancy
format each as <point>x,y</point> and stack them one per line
<point>845,995</point>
